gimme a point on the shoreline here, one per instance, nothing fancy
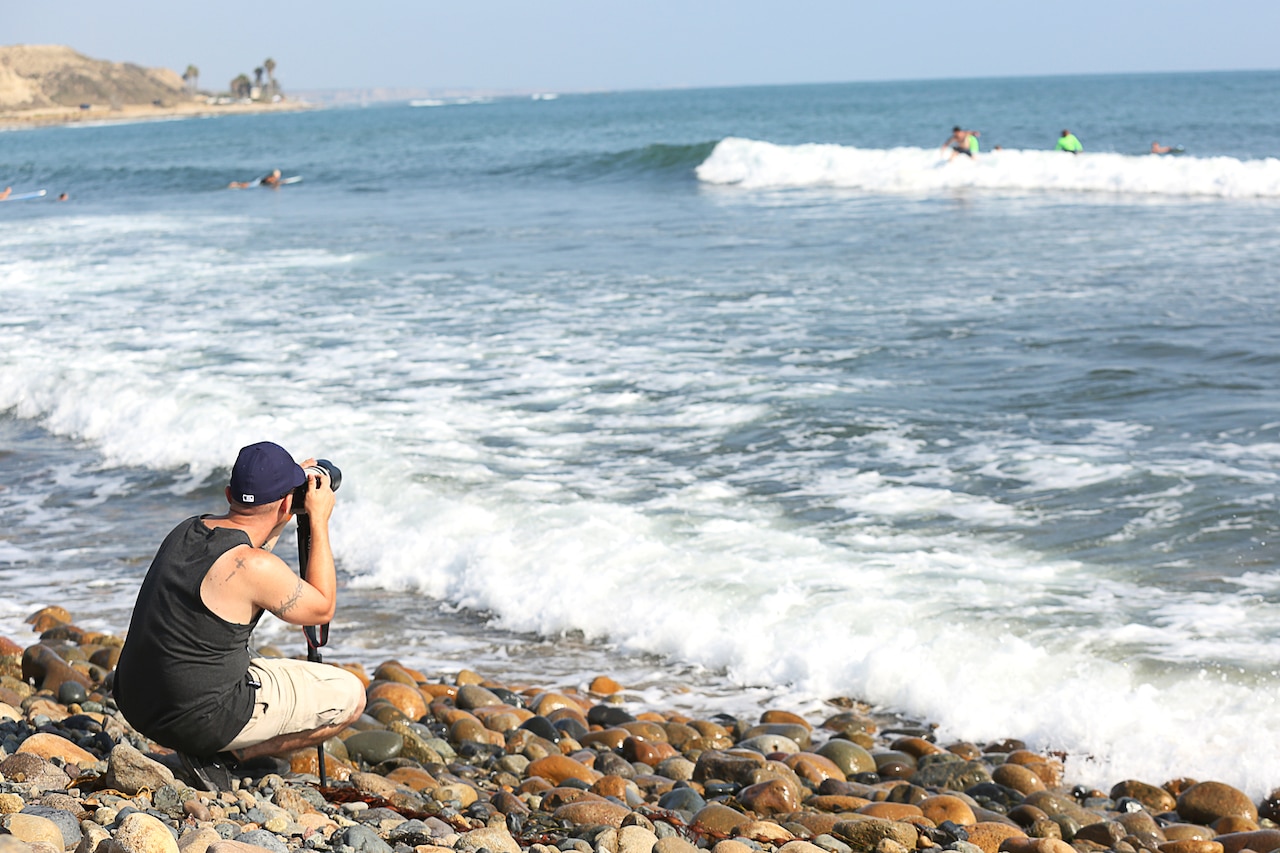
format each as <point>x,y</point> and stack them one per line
<point>68,116</point>
<point>463,763</point>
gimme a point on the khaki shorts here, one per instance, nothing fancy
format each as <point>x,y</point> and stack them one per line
<point>297,696</point>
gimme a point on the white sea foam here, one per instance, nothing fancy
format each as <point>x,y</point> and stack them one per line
<point>754,164</point>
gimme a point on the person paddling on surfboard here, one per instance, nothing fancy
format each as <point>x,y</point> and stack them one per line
<point>272,180</point>
<point>5,193</point>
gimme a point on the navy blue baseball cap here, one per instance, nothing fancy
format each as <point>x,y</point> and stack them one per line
<point>263,473</point>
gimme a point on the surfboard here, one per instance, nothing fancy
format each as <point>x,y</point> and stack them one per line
<point>26,196</point>
<point>295,179</point>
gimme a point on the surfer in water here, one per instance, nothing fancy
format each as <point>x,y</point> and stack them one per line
<point>1157,148</point>
<point>1068,142</point>
<point>5,193</point>
<point>269,180</point>
<point>962,142</point>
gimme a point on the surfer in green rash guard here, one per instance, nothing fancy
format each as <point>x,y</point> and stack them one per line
<point>962,142</point>
<point>1068,142</point>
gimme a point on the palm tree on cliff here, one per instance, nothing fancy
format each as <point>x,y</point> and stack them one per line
<point>192,78</point>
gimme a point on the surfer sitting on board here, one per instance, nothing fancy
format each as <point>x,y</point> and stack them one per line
<point>5,193</point>
<point>962,142</point>
<point>1157,148</point>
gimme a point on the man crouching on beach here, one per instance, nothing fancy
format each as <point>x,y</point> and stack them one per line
<point>186,678</point>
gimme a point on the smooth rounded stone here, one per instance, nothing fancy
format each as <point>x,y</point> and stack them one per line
<point>626,839</point>
<point>812,767</point>
<point>1261,839</point>
<point>1067,825</point>
<point>682,799</point>
<point>571,727</point>
<point>1043,828</point>
<point>646,752</point>
<point>800,846</point>
<point>198,840</point>
<point>35,772</point>
<point>831,844</point>
<point>716,819</point>
<point>493,838</point>
<point>835,803</point>
<point>264,839</point>
<point>769,798</point>
<point>1205,802</point>
<point>957,775</point>
<point>848,723</point>
<point>608,715</point>
<point>766,744</point>
<point>1104,833</point>
<point>945,807</point>
<point>1191,846</point>
<point>1140,822</point>
<point>232,846</point>
<point>794,732</point>
<point>666,844</point>
<point>989,835</point>
<point>542,727</point>
<point>374,747</point>
<point>866,834</point>
<point>67,822</point>
<point>736,767</point>
<point>557,768</point>
<point>1049,770</point>
<point>408,699</point>
<point>677,768</point>
<point>360,838</point>
<point>129,771</point>
<point>48,745</point>
<point>1156,799</point>
<point>848,756</point>
<point>764,832</point>
<point>141,833</point>
<point>730,845</point>
<point>1035,845</point>
<point>891,811</point>
<point>72,693</point>
<point>11,803</point>
<point>1018,777</point>
<point>1181,831</point>
<point>32,828</point>
<point>592,813</point>
<point>1054,804</point>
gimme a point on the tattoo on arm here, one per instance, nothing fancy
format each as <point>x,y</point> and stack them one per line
<point>239,566</point>
<point>288,603</point>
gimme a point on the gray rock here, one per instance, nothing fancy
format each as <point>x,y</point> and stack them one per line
<point>830,842</point>
<point>374,747</point>
<point>848,756</point>
<point>263,838</point>
<point>361,839</point>
<point>472,696</point>
<point>66,822</point>
<point>950,775</point>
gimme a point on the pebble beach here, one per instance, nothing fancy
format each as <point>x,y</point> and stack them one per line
<point>463,763</point>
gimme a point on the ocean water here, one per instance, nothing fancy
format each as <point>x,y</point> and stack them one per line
<point>747,397</point>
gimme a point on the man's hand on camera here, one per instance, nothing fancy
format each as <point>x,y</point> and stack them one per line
<point>320,494</point>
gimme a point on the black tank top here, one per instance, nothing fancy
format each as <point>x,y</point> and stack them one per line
<point>180,679</point>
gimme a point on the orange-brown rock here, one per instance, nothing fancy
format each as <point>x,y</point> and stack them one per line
<point>1206,802</point>
<point>1234,823</point>
<point>777,716</point>
<point>611,786</point>
<point>769,798</point>
<point>407,698</point>
<point>557,768</point>
<point>1157,800</point>
<point>869,833</point>
<point>49,670</point>
<point>1261,839</point>
<point>438,691</point>
<point>568,713</point>
<point>609,738</point>
<point>308,761</point>
<point>545,703</point>
<point>393,671</point>
<point>891,811</point>
<point>989,835</point>
<point>603,685</point>
<point>716,819</point>
<point>9,647</point>
<point>1190,846</point>
<point>944,807</point>
<point>916,747</point>
<point>813,767</point>
<point>592,813</point>
<point>1187,831</point>
<point>730,765</point>
<point>647,752</point>
<point>1048,769</point>
<point>1019,777</point>
<point>836,802</point>
<point>48,745</point>
<point>414,778</point>
<point>1016,844</point>
<point>46,617</point>
<point>645,730</point>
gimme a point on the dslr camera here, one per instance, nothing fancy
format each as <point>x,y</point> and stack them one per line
<point>322,466</point>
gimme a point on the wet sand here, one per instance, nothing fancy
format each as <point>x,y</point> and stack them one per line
<point>48,116</point>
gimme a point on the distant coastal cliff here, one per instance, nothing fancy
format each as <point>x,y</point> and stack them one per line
<point>54,84</point>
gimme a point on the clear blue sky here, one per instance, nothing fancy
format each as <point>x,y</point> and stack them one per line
<point>576,44</point>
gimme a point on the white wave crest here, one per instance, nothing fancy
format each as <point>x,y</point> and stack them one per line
<point>763,165</point>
